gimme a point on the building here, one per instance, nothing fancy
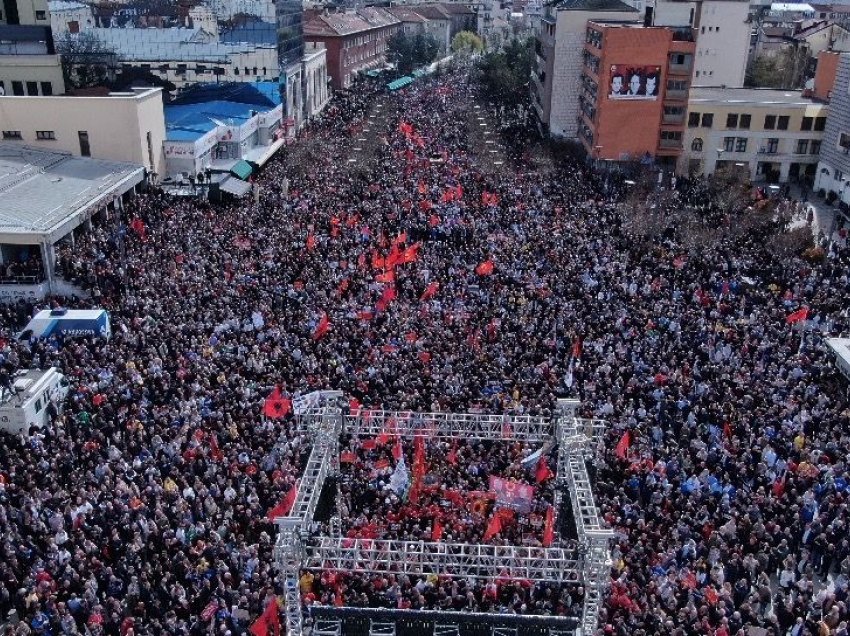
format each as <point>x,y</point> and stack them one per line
<point>722,30</point>
<point>46,196</point>
<point>315,73</point>
<point>215,127</point>
<point>833,171</point>
<point>28,61</point>
<point>633,74</point>
<point>123,127</point>
<point>412,23</point>
<point>438,24</point>
<point>186,56</point>
<point>290,54</point>
<point>355,41</point>
<point>559,48</point>
<point>771,135</point>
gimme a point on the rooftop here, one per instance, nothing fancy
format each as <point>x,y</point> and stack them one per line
<point>747,96</point>
<point>44,193</point>
<point>593,5</point>
<point>349,22</point>
<point>160,45</point>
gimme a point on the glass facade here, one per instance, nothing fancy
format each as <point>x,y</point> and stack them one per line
<point>290,33</point>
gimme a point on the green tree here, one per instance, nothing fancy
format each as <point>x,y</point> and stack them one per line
<point>411,52</point>
<point>466,42</point>
<point>505,73</point>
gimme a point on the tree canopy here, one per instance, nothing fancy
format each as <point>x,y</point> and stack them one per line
<point>86,60</point>
<point>505,73</point>
<point>411,52</point>
<point>467,42</point>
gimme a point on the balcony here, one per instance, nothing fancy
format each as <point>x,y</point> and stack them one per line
<point>676,95</point>
<point>673,120</point>
<point>683,35</point>
<point>670,144</point>
<point>680,69</point>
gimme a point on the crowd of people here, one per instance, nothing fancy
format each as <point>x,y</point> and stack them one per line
<point>142,508</point>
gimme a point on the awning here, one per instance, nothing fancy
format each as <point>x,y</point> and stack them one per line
<point>242,169</point>
<point>401,82</point>
<point>236,187</point>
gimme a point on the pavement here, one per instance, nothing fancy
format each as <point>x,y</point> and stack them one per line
<point>825,219</point>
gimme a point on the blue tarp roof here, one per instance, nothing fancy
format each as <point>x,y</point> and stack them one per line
<point>196,112</point>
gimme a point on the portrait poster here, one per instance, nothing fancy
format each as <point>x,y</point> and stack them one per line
<point>630,82</point>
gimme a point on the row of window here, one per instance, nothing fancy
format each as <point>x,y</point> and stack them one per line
<point>26,88</point>
<point>771,146</point>
<point>50,135</point>
<point>594,38</point>
<point>743,121</point>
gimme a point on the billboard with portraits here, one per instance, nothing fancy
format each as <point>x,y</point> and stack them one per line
<point>630,82</point>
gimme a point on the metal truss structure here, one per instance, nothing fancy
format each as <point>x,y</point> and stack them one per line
<point>325,421</point>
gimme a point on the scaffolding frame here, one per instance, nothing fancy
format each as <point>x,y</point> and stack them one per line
<point>577,439</point>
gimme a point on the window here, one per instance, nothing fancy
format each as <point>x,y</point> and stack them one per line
<point>732,120</point>
<point>200,69</point>
<point>2,87</point>
<point>693,120</point>
<point>45,134</point>
<point>741,144</point>
<point>769,122</point>
<point>236,70</point>
<point>181,69</point>
<point>696,145</point>
<point>32,88</point>
<point>782,124</point>
<point>707,120</point>
<point>41,15</point>
<point>820,123</point>
<point>85,148</point>
<point>17,88</point>
<point>744,122</point>
<point>802,147</point>
<point>807,123</point>
<point>46,88</point>
<point>814,147</point>
<point>844,141</point>
<point>12,134</point>
<point>772,146</point>
<point>728,144</point>
<point>163,68</point>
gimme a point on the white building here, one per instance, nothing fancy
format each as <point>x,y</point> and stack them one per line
<point>28,62</point>
<point>69,16</point>
<point>315,76</point>
<point>721,29</point>
<point>127,127</point>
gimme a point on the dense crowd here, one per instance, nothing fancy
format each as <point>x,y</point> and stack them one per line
<point>142,508</point>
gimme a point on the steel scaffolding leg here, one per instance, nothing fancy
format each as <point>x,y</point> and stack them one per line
<point>597,575</point>
<point>326,627</point>
<point>378,628</point>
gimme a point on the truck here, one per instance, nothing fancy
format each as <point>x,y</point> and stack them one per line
<point>68,323</point>
<point>25,402</point>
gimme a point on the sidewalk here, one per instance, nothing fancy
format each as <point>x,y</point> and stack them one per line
<point>824,217</point>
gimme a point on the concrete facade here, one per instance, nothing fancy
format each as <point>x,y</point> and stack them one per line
<point>770,135</point>
<point>556,77</point>
<point>315,76</point>
<point>31,75</point>
<point>127,127</point>
<point>723,42</point>
<point>833,171</point>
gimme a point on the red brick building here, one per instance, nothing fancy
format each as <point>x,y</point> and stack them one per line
<point>355,40</point>
<point>634,91</point>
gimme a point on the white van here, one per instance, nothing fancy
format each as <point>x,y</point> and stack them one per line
<point>25,405</point>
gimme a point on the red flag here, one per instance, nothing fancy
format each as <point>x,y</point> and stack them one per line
<point>397,449</point>
<point>139,227</point>
<point>437,532</point>
<point>577,347</point>
<point>452,456</point>
<point>282,509</point>
<point>354,405</point>
<point>494,526</point>
<point>323,327</point>
<point>549,527</point>
<point>543,471</point>
<point>424,357</point>
<point>368,444</point>
<point>311,241</point>
<point>459,192</point>
<point>347,457</point>
<point>215,451</point>
<point>378,261</point>
<point>430,291</point>
<point>209,611</point>
<point>485,268</point>
<point>797,316</point>
<point>386,298</point>
<point>507,429</point>
<point>401,238</point>
<point>277,406</point>
<point>410,254</point>
<point>623,445</point>
<point>269,621</point>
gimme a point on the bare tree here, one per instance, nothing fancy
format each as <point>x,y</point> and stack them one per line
<point>86,60</point>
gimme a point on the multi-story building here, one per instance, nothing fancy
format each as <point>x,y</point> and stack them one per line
<point>127,127</point>
<point>290,52</point>
<point>559,54</point>
<point>355,41</point>
<point>634,92</point>
<point>438,24</point>
<point>770,135</point>
<point>28,61</point>
<point>722,31</point>
<point>833,171</point>
<point>315,72</point>
<point>412,23</point>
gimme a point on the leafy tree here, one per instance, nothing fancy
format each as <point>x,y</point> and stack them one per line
<point>409,53</point>
<point>136,76</point>
<point>505,73</point>
<point>86,60</point>
<point>466,42</point>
